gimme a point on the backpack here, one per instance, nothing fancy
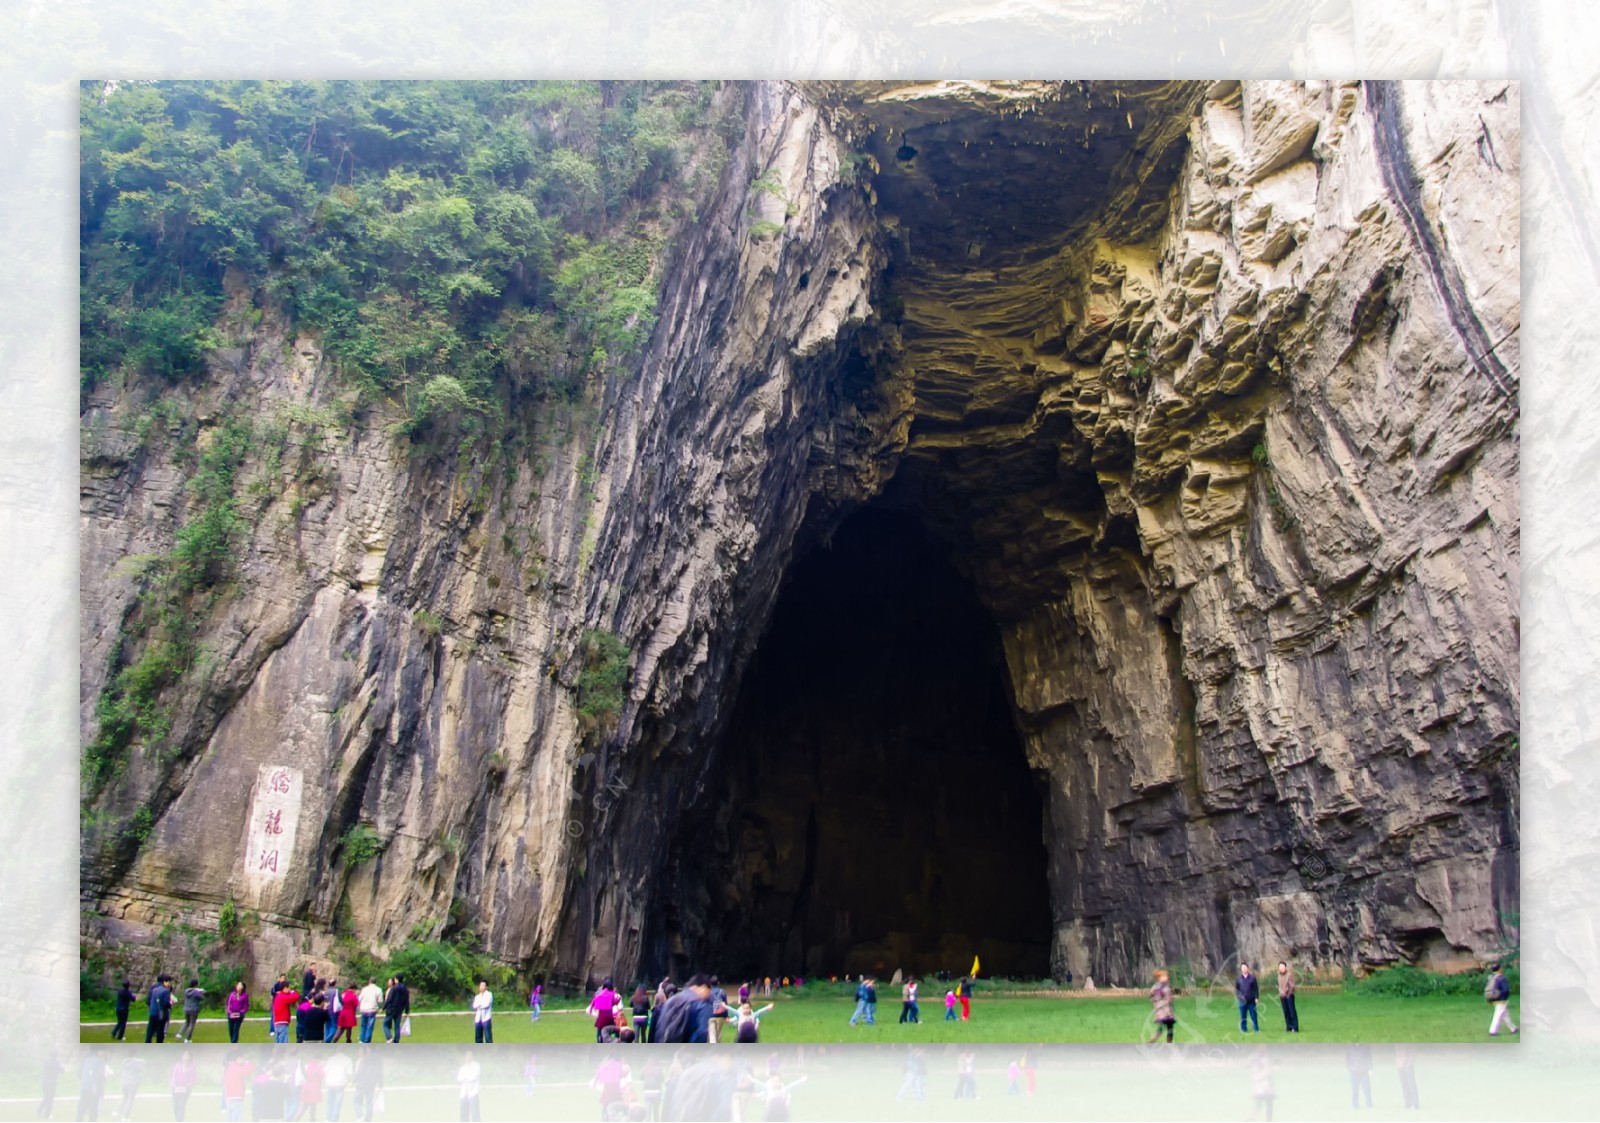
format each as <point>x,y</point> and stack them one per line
<point>673,1019</point>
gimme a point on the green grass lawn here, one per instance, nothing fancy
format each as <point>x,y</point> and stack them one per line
<point>1331,1015</point>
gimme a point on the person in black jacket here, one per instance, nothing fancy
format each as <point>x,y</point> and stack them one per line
<point>1248,991</point>
<point>395,1007</point>
<point>124,1004</point>
<point>160,1006</point>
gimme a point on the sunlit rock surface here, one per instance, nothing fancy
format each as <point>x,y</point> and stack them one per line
<point>1207,390</point>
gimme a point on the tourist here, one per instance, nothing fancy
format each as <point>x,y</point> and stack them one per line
<point>159,1003</point>
<point>302,1008</point>
<point>1405,1064</point>
<point>467,1078</point>
<point>1013,1079</point>
<point>950,1005</point>
<point>132,1077</point>
<point>1261,1090</point>
<point>964,993</point>
<point>91,1083</point>
<point>184,1076</point>
<point>238,1006</point>
<point>281,984</point>
<point>535,1000</point>
<point>335,1001</point>
<point>336,1073</point>
<point>308,981</point>
<point>719,1011</point>
<point>1291,1017</point>
<point>396,1009</point>
<point>609,1078</point>
<point>640,1005</point>
<point>1358,1062</point>
<point>684,1017</point>
<point>915,1084</point>
<point>748,1031</point>
<point>1161,1007</point>
<point>369,1082</point>
<point>368,1004</point>
<point>235,1081</point>
<point>652,1082</point>
<point>862,1011</point>
<point>966,1076</point>
<point>125,998</point>
<point>50,1069</point>
<point>916,1011</point>
<point>191,1010</point>
<point>602,1007</point>
<point>1247,991</point>
<point>349,1006</point>
<point>311,1071</point>
<point>483,1015</point>
<point>777,1095</point>
<point>905,1000</point>
<point>316,1023</point>
<point>1497,991</point>
<point>744,993</point>
<point>284,1002</point>
<point>269,1091</point>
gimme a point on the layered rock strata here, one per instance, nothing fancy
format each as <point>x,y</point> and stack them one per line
<point>1208,390</point>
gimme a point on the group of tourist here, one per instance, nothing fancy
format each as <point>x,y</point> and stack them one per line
<point>158,1004</point>
<point>698,1012</point>
<point>320,1011</point>
<point>1247,993</point>
<point>866,1011</point>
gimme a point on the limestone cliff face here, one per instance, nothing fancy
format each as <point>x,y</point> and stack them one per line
<point>1209,389</point>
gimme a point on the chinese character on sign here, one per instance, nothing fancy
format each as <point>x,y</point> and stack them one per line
<point>274,822</point>
<point>279,781</point>
<point>269,860</point>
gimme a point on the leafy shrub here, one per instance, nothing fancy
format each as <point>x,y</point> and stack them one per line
<point>603,678</point>
<point>360,843</point>
<point>1406,981</point>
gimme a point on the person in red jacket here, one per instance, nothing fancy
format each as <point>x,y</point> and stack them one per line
<point>348,1001</point>
<point>284,1004</point>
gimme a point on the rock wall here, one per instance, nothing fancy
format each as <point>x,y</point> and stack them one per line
<point>1215,409</point>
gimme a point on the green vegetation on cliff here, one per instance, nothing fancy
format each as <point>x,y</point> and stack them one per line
<point>454,244</point>
<point>461,250</point>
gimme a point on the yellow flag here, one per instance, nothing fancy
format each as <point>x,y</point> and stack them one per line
<point>974,967</point>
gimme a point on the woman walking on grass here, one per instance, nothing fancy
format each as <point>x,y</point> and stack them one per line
<point>1161,1007</point>
<point>238,1007</point>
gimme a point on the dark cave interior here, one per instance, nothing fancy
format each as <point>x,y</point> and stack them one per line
<point>874,808</point>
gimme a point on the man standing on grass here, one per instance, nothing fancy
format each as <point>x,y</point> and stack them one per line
<point>367,1006</point>
<point>159,1002</point>
<point>861,1002</point>
<point>395,1008</point>
<point>1248,991</point>
<point>281,984</point>
<point>284,1005</point>
<point>1498,994</point>
<point>964,992</point>
<point>1291,1016</point>
<point>124,1004</point>
<point>483,1015</point>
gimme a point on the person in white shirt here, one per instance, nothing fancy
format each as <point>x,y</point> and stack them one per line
<point>467,1076</point>
<point>336,1073</point>
<point>367,1004</point>
<point>483,1015</point>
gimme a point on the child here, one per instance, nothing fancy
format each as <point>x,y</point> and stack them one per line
<point>749,1027</point>
<point>950,1005</point>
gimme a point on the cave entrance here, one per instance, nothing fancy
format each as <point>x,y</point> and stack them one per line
<point>876,810</point>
